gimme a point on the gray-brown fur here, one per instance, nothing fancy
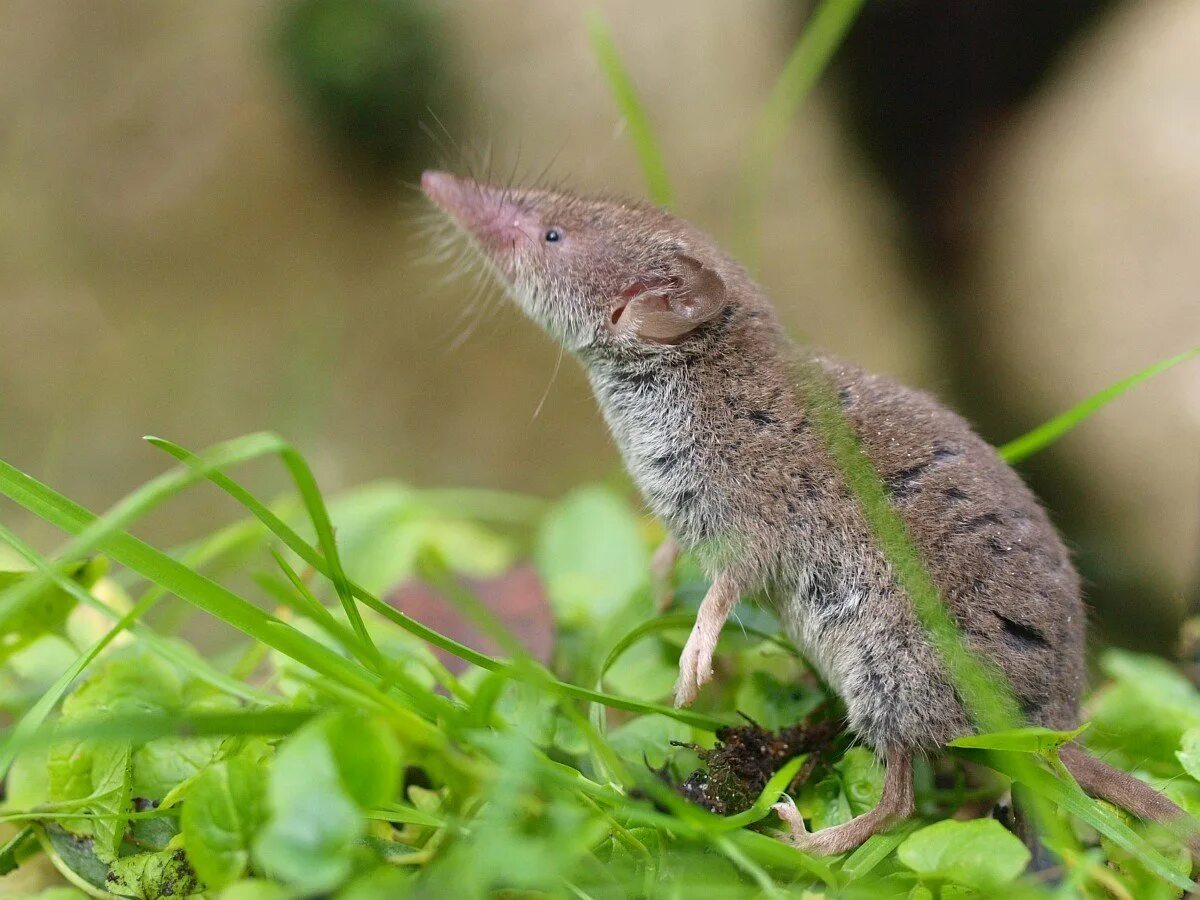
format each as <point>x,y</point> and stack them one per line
<point>712,426</point>
<point>715,434</point>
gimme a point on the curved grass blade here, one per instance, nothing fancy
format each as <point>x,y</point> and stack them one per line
<point>821,37</point>
<point>213,598</point>
<point>1046,434</point>
<point>667,623</point>
<point>9,851</point>
<point>300,547</point>
<point>315,505</point>
<point>133,507</point>
<point>770,794</point>
<point>625,94</point>
<point>192,663</point>
<point>1030,739</point>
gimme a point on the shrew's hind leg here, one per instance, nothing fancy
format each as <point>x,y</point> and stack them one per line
<point>894,807</point>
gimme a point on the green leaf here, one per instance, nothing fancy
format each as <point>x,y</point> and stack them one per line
<point>13,847</point>
<point>221,816</point>
<point>74,856</point>
<point>28,783</point>
<point>383,883</point>
<point>151,876</point>
<point>649,738</point>
<point>382,528</point>
<point>861,776</point>
<point>313,820</point>
<point>643,671</point>
<point>367,757</point>
<point>775,703</point>
<point>1189,752</point>
<point>591,556</point>
<point>825,804</point>
<point>132,682</point>
<point>1068,796</point>
<point>625,94</point>
<point>979,853</point>
<point>256,889</point>
<point>1140,718</point>
<point>1033,739</point>
<point>1045,435</point>
<point>165,762</point>
<point>100,774</point>
<point>43,610</point>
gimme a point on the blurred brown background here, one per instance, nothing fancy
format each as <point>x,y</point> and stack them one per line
<point>205,230</point>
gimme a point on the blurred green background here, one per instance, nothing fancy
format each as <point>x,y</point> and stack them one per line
<point>207,227</point>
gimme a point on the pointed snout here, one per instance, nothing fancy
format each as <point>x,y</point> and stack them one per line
<point>487,212</point>
<point>442,188</point>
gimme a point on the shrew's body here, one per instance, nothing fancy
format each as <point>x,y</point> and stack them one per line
<point>719,442</point>
<point>705,399</point>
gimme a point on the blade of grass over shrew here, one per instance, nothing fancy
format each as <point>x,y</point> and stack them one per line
<point>822,36</point>
<point>213,598</point>
<point>985,692</point>
<point>626,97</point>
<point>1046,434</point>
<point>300,547</point>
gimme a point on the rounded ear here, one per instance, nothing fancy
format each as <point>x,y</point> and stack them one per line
<point>667,312</point>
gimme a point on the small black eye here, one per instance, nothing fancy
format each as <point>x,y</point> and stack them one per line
<point>553,236</point>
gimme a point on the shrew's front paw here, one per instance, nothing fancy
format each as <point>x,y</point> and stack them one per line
<point>695,667</point>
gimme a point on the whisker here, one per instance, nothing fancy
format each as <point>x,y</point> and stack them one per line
<point>553,377</point>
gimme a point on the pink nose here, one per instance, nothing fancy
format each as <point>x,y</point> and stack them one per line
<point>485,211</point>
<point>443,189</point>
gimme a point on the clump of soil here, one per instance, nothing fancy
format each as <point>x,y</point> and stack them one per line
<point>737,769</point>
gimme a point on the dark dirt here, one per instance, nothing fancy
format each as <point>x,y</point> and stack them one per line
<point>737,769</point>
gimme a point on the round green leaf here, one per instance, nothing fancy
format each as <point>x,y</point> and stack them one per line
<point>221,816</point>
<point>314,821</point>
<point>591,556</point>
<point>1188,753</point>
<point>980,853</point>
<point>367,758</point>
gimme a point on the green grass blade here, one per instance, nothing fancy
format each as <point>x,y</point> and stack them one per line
<point>315,505</point>
<point>300,547</point>
<point>192,663</point>
<point>131,508</point>
<point>682,621</point>
<point>878,848</point>
<point>625,94</point>
<point>149,726</point>
<point>821,37</point>
<point>12,847</point>
<point>1045,435</point>
<point>769,796</point>
<point>207,595</point>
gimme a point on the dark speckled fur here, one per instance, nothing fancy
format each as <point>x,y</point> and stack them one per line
<point>719,443</point>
